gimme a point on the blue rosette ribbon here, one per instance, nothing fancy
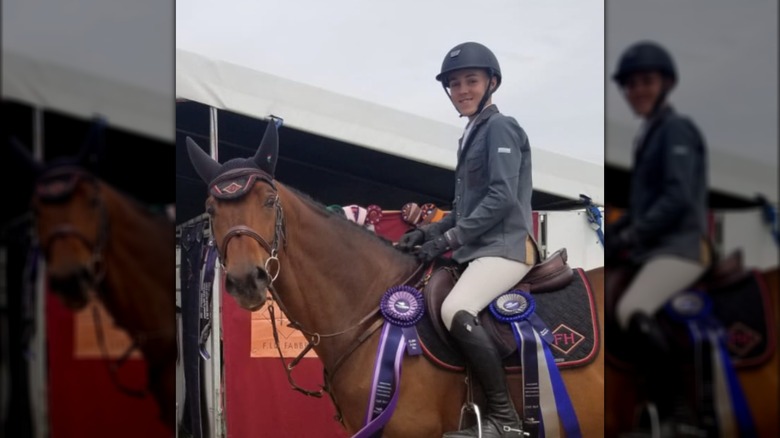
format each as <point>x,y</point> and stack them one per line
<point>720,393</point>
<point>545,399</point>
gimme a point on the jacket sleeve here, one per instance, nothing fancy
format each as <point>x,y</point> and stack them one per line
<point>504,143</point>
<point>682,152</point>
<point>436,229</point>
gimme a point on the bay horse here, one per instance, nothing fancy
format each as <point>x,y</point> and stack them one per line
<point>329,274</point>
<point>760,383</point>
<point>100,242</point>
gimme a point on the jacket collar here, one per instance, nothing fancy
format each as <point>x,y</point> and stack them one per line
<point>480,120</point>
<point>651,125</point>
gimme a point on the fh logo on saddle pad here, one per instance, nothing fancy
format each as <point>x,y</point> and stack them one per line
<point>566,338</point>
<point>740,339</point>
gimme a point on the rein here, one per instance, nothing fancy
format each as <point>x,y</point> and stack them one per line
<point>315,338</point>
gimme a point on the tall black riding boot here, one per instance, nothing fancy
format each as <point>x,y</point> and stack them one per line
<point>501,420</point>
<point>664,383</point>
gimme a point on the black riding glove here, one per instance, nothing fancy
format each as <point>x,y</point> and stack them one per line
<point>411,239</point>
<point>618,243</point>
<point>438,246</point>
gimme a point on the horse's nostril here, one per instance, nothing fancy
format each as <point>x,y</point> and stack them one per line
<point>261,275</point>
<point>230,281</point>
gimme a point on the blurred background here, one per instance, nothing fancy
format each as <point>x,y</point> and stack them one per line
<point>63,64</point>
<point>726,56</point>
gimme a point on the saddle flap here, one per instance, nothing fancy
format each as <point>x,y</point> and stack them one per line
<point>439,286</point>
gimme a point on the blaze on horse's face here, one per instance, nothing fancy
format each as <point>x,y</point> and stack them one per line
<point>246,277</point>
<point>68,228</point>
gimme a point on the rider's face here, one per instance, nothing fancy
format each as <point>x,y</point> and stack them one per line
<point>641,91</point>
<point>467,87</point>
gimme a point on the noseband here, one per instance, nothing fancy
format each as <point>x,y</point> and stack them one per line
<point>57,187</point>
<point>235,184</point>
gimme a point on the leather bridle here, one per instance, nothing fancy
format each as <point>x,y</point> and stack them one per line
<point>272,249</point>
<point>57,187</point>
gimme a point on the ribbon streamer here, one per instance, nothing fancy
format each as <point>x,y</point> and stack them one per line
<point>545,398</point>
<point>719,391</point>
<point>402,308</point>
<point>205,297</point>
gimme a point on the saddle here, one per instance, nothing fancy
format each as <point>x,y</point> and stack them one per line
<point>740,303</point>
<point>551,281</point>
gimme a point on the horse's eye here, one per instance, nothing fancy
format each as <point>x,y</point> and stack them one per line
<point>210,210</point>
<point>270,201</point>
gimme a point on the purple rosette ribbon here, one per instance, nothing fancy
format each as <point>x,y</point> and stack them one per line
<point>402,307</point>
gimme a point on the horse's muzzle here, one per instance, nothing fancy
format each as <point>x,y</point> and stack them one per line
<point>248,287</point>
<point>71,285</point>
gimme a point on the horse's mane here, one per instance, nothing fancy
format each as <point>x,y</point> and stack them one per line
<point>146,210</point>
<point>320,209</point>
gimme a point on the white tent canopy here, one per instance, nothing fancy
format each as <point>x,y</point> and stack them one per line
<point>363,72</point>
<point>258,94</point>
<point>89,57</point>
<point>726,55</point>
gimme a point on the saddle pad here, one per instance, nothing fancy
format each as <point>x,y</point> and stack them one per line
<point>742,307</point>
<point>570,313</point>
<point>745,310</point>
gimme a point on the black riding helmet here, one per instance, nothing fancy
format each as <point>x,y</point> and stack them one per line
<point>470,55</point>
<point>645,56</point>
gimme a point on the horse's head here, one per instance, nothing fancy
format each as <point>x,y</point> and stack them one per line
<point>70,223</point>
<point>246,217</point>
<point>72,230</point>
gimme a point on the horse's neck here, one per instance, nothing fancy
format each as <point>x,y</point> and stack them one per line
<point>139,288</point>
<point>333,273</point>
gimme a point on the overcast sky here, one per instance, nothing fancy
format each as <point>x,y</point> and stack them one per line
<point>726,54</point>
<point>126,41</point>
<point>388,52</point>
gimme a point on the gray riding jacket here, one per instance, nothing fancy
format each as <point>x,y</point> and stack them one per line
<point>668,204</point>
<point>491,214</point>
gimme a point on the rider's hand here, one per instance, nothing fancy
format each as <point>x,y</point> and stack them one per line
<point>411,239</point>
<point>432,249</point>
<point>438,246</point>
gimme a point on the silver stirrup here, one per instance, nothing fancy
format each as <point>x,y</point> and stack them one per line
<point>652,416</point>
<point>475,409</point>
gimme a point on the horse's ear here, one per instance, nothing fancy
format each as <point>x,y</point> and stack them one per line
<point>94,144</point>
<point>268,152</point>
<point>204,165</point>
<point>21,156</point>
